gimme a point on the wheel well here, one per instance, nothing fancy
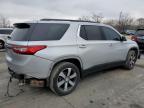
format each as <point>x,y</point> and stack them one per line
<point>1,41</point>
<point>135,49</point>
<point>71,60</point>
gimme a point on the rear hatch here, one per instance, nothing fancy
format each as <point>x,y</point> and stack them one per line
<point>18,38</point>
<point>29,38</point>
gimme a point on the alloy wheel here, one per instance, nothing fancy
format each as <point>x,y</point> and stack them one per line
<point>66,79</point>
<point>132,59</point>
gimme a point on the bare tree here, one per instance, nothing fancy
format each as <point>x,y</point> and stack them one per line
<point>4,22</point>
<point>97,17</point>
<point>140,22</point>
<point>111,22</point>
<point>94,17</point>
<point>125,21</point>
<point>85,18</point>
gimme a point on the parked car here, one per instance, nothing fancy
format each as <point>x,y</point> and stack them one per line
<point>61,52</point>
<point>130,32</point>
<point>139,38</point>
<point>4,33</point>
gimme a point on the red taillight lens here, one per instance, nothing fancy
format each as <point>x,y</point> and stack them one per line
<point>134,38</point>
<point>28,50</point>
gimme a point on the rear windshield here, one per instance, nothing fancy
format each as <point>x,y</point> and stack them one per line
<point>39,32</point>
<point>140,32</point>
<point>5,31</point>
<point>22,32</point>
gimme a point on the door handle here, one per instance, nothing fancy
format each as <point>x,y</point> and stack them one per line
<point>82,46</point>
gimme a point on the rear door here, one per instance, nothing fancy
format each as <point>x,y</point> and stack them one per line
<point>94,49</point>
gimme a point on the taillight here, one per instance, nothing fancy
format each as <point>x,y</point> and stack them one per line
<point>134,38</point>
<point>28,50</point>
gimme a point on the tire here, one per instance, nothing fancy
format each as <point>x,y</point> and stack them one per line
<point>131,60</point>
<point>1,44</point>
<point>64,78</point>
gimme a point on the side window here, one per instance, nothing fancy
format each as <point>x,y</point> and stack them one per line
<point>83,33</point>
<point>110,34</point>
<point>91,32</point>
<point>49,31</point>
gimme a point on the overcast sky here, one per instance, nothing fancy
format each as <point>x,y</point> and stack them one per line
<point>20,10</point>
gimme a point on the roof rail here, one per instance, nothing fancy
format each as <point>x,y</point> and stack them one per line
<point>66,20</point>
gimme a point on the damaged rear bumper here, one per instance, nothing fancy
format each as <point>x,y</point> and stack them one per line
<point>28,80</point>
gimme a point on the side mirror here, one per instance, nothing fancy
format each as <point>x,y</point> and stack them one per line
<point>123,38</point>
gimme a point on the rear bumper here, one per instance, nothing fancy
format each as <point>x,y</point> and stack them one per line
<point>15,75</point>
<point>36,67</point>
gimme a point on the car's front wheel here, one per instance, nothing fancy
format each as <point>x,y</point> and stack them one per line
<point>64,79</point>
<point>131,59</point>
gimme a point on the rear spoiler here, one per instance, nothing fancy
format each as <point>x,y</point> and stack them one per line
<point>21,25</point>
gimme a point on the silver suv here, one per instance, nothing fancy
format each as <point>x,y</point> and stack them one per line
<point>4,33</point>
<point>62,51</point>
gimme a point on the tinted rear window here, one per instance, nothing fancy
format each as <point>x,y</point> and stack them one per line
<point>39,32</point>
<point>19,34</point>
<point>22,32</point>
<point>48,31</point>
<point>91,32</point>
<point>5,31</point>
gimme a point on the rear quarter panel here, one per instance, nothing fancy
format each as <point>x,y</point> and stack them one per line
<point>61,49</point>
